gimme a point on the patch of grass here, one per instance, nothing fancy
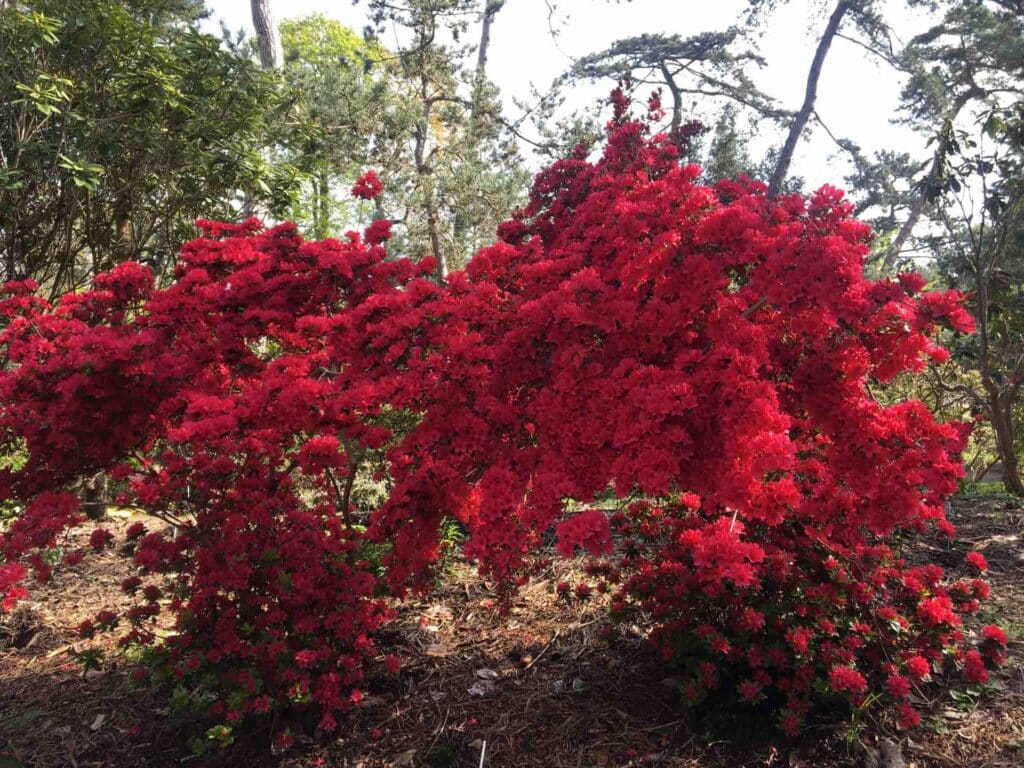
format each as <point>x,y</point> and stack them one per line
<point>989,488</point>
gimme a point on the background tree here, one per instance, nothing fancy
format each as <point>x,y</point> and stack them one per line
<point>971,59</point>
<point>463,170</point>
<point>860,22</point>
<point>698,72</point>
<point>981,250</point>
<point>354,115</point>
<point>121,123</point>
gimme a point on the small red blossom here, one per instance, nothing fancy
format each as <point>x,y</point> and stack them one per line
<point>978,560</point>
<point>378,232</point>
<point>847,679</point>
<point>898,686</point>
<point>908,717</point>
<point>799,638</point>
<point>367,186</point>
<point>100,538</point>
<point>974,667</point>
<point>918,667</point>
<point>74,557</point>
<point>750,690</point>
<point>994,634</point>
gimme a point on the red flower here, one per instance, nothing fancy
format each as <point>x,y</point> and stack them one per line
<point>99,538</point>
<point>847,679</point>
<point>367,186</point>
<point>994,634</point>
<point>588,529</point>
<point>898,686</point>
<point>378,232</point>
<point>978,561</point>
<point>750,690</point>
<point>974,667</point>
<point>799,638</point>
<point>918,667</point>
<point>908,717</point>
<point>74,557</point>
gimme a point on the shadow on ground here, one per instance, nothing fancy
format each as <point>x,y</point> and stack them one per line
<point>539,686</point>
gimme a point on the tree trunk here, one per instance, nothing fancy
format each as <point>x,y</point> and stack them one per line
<point>460,224</point>
<point>271,55</point>
<point>322,217</point>
<point>1002,425</point>
<point>810,96</point>
<point>1000,408</point>
<point>94,497</point>
<point>933,178</point>
<point>677,101</point>
<point>424,171</point>
<point>435,240</point>
<point>491,9</point>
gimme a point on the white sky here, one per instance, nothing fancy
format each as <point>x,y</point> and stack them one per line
<point>857,97</point>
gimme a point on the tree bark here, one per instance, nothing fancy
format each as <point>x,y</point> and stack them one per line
<point>491,9</point>
<point>424,172</point>
<point>933,177</point>
<point>322,203</point>
<point>810,96</point>
<point>677,100</point>
<point>999,407</point>
<point>271,55</point>
<point>1002,425</point>
<point>460,225</point>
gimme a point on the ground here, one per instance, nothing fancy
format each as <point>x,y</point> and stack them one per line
<point>539,687</point>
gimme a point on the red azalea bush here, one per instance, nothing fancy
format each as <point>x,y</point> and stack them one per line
<point>237,406</point>
<point>708,349</point>
<point>704,350</point>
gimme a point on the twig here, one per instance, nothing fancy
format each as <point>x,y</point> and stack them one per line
<point>543,650</point>
<point>753,307</point>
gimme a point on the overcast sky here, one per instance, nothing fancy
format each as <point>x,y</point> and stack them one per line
<point>857,97</point>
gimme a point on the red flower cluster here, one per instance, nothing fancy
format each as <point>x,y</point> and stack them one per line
<point>368,186</point>
<point>632,334</point>
<point>235,406</point>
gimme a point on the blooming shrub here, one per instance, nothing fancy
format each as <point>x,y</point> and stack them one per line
<point>236,406</point>
<point>709,349</point>
<point>704,350</point>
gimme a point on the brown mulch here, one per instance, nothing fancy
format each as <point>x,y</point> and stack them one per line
<point>535,688</point>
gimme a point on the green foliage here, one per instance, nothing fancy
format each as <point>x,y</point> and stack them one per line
<point>450,173</point>
<point>120,123</point>
<point>351,117</point>
<point>995,490</point>
<point>727,153</point>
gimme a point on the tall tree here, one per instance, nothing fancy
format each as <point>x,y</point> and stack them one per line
<point>355,114</point>
<point>971,65</point>
<point>972,58</point>
<point>705,69</point>
<point>727,155</point>
<point>464,165</point>
<point>859,22</point>
<point>982,251</point>
<point>803,115</point>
